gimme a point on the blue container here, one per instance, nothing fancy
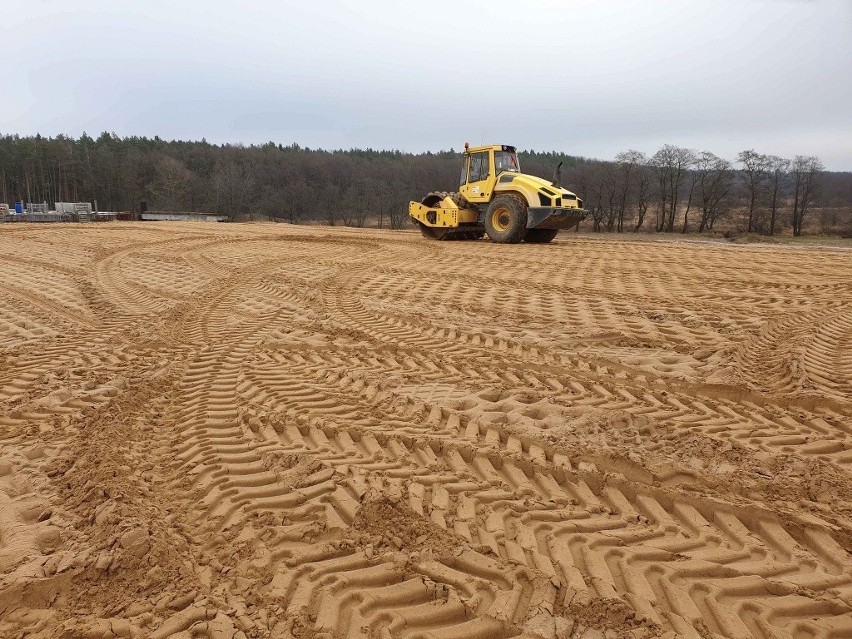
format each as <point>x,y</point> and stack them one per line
<point>19,208</point>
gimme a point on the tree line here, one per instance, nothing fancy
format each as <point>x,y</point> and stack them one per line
<point>691,191</point>
<point>674,190</point>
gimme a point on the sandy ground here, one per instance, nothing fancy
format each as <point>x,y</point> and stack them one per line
<point>271,431</point>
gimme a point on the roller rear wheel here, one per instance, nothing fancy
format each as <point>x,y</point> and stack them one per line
<point>506,219</point>
<point>434,232</point>
<point>435,200</point>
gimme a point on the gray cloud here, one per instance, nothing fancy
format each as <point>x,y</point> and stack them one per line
<point>588,78</point>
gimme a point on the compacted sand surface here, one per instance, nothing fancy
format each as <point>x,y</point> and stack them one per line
<point>234,431</point>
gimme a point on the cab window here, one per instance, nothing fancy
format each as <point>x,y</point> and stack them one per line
<point>506,161</point>
<point>479,167</point>
<point>463,177</point>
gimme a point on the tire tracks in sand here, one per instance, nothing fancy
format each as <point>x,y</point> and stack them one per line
<point>328,439</point>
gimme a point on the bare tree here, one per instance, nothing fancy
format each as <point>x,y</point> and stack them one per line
<point>361,201</point>
<point>233,183</point>
<point>692,182</point>
<point>328,204</point>
<point>610,186</point>
<point>713,176</point>
<point>642,192</point>
<point>599,196</point>
<point>778,168</point>
<point>671,165</point>
<point>298,200</point>
<point>591,181</point>
<point>398,215</point>
<point>171,187</point>
<point>806,174</point>
<point>662,175</point>
<point>755,168</point>
<point>627,162</point>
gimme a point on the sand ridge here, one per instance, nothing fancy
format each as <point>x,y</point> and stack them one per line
<point>276,431</point>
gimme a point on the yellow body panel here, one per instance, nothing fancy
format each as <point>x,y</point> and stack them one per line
<point>528,187</point>
<point>447,214</point>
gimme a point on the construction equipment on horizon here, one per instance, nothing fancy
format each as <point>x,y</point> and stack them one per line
<point>495,198</point>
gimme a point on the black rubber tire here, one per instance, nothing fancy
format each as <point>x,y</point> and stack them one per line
<point>540,236</point>
<point>506,220</point>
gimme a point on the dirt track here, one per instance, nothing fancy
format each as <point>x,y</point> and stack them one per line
<point>218,430</point>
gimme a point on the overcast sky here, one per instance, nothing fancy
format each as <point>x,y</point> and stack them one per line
<point>586,77</point>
